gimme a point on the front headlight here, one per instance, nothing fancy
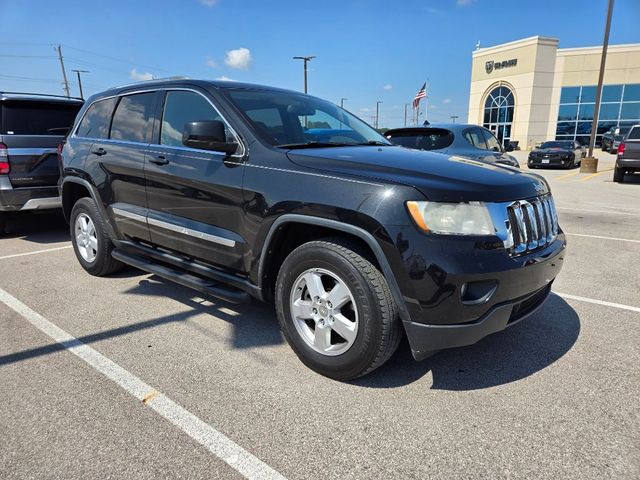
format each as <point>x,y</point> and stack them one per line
<point>469,218</point>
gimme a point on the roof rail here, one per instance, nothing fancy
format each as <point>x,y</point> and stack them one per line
<point>159,79</point>
<point>40,95</point>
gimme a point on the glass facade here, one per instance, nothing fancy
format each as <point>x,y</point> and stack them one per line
<point>498,113</point>
<point>620,106</point>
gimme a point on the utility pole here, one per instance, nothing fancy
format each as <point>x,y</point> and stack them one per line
<point>590,164</point>
<point>78,72</point>
<point>377,113</point>
<point>405,114</point>
<point>453,118</point>
<point>64,73</point>
<point>342,102</point>
<point>305,60</point>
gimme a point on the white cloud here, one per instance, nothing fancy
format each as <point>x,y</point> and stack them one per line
<point>239,58</point>
<point>446,100</point>
<point>224,78</point>
<point>464,3</point>
<point>140,76</point>
<point>388,86</point>
<point>210,62</point>
<point>208,3</point>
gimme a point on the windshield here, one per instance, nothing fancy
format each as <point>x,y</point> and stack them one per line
<point>426,139</point>
<point>290,120</point>
<point>565,144</point>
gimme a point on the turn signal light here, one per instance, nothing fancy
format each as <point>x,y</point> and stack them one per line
<point>5,168</point>
<point>621,148</point>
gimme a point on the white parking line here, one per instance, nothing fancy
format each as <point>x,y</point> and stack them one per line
<point>598,211</point>
<point>35,252</point>
<point>216,442</point>
<point>598,302</point>
<point>603,237</point>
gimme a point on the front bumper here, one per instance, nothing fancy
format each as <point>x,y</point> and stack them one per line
<point>552,162</point>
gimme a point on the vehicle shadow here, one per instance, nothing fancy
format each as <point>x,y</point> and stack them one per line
<point>504,357</point>
<point>37,227</point>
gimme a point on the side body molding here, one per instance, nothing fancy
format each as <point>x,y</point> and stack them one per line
<point>347,228</point>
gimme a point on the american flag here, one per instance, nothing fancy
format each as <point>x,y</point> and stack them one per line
<point>421,94</point>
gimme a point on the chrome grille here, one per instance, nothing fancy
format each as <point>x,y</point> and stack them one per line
<point>532,224</point>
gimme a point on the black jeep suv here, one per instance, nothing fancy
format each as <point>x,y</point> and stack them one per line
<point>31,128</point>
<point>243,191</point>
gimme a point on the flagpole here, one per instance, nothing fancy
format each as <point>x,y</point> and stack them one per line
<point>426,99</point>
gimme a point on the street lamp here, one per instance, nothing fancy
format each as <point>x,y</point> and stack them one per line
<point>78,72</point>
<point>305,60</point>
<point>377,113</point>
<point>342,102</point>
<point>453,118</point>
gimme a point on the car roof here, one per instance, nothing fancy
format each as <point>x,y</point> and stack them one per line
<point>39,97</point>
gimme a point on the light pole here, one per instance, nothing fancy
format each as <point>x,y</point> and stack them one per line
<point>405,114</point>
<point>78,72</point>
<point>590,164</point>
<point>378,113</point>
<point>342,102</point>
<point>453,118</point>
<point>305,60</point>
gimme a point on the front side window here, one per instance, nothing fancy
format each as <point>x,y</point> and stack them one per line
<point>290,120</point>
<point>492,142</point>
<point>133,119</point>
<point>474,137</point>
<point>180,108</point>
<point>96,120</point>
<point>27,117</point>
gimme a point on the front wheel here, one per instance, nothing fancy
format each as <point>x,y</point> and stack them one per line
<point>335,309</point>
<point>91,243</point>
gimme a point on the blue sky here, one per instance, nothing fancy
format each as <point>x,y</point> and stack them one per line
<point>367,50</point>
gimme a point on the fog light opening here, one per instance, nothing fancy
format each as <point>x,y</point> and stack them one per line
<point>477,293</point>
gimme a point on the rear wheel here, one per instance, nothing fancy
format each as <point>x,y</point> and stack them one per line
<point>91,243</point>
<point>3,222</point>
<point>618,175</point>
<point>335,309</point>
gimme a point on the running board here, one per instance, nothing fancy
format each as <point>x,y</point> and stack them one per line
<point>206,287</point>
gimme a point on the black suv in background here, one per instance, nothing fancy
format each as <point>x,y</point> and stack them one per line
<point>31,128</point>
<point>243,191</point>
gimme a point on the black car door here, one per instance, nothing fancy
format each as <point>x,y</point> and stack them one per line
<point>194,196</point>
<point>117,163</point>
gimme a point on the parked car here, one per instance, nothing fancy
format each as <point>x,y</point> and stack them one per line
<point>628,159</point>
<point>612,138</point>
<point>31,128</point>
<point>557,153</point>
<point>464,140</point>
<point>220,186</point>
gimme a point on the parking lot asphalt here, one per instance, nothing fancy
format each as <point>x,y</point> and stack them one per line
<point>167,384</point>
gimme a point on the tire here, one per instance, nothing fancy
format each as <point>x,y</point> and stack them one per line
<point>95,255</point>
<point>3,223</point>
<point>618,175</point>
<point>377,328</point>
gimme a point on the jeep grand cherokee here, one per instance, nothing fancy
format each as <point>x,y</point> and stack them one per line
<point>243,191</point>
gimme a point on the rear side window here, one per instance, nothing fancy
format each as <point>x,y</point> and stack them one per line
<point>96,120</point>
<point>492,142</point>
<point>634,134</point>
<point>133,119</point>
<point>180,108</point>
<point>475,137</point>
<point>37,118</point>
<point>422,140</point>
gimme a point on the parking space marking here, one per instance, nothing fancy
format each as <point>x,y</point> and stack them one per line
<point>216,442</point>
<point>598,211</point>
<point>36,252</point>
<point>567,175</point>
<point>603,237</point>
<point>595,174</point>
<point>598,302</point>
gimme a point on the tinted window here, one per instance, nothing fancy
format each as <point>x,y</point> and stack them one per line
<point>567,145</point>
<point>492,142</point>
<point>609,111</point>
<point>634,134</point>
<point>588,94</point>
<point>133,119</point>
<point>630,111</point>
<point>422,140</point>
<point>570,95</point>
<point>96,120</point>
<point>632,93</point>
<point>180,108</point>
<point>611,93</point>
<point>475,137</point>
<point>37,118</point>
<point>568,112</point>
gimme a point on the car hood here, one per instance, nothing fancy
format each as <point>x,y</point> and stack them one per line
<point>439,177</point>
<point>551,151</point>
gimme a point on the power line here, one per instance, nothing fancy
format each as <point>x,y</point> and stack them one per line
<point>32,79</point>
<point>115,59</point>
<point>5,55</point>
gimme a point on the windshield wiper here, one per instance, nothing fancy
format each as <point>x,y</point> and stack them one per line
<point>314,144</point>
<point>375,142</point>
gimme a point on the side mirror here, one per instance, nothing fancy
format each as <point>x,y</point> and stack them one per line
<point>510,147</point>
<point>207,135</point>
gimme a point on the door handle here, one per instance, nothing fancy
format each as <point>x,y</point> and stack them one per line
<point>159,160</point>
<point>99,151</point>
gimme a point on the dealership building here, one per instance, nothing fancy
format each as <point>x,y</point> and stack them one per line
<point>530,90</point>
